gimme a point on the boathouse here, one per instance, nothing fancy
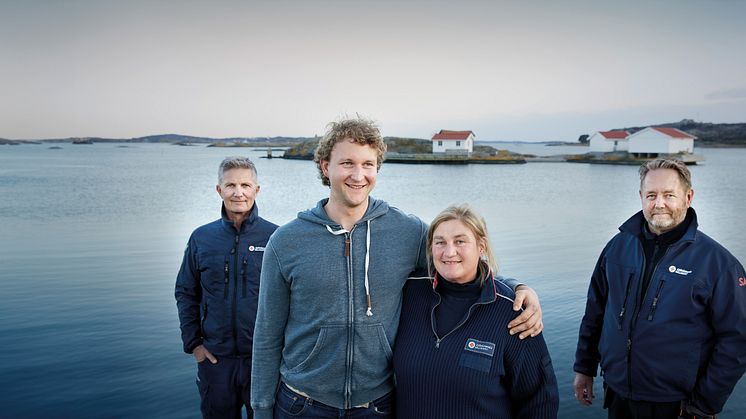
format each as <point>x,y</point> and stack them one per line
<point>652,141</point>
<point>609,141</point>
<point>453,142</point>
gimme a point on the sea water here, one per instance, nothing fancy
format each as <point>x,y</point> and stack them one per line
<point>91,238</point>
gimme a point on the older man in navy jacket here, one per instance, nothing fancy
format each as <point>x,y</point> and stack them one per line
<point>217,289</point>
<point>666,310</point>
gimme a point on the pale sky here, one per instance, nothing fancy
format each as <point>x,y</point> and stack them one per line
<point>508,70</point>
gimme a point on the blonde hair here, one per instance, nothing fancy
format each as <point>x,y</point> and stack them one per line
<point>478,227</point>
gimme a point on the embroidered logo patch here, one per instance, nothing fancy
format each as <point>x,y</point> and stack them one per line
<point>256,249</point>
<point>742,282</point>
<point>484,348</point>
<point>674,270</point>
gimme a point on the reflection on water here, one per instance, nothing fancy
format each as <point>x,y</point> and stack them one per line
<point>91,238</point>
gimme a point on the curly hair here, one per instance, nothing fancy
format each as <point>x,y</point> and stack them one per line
<point>359,130</point>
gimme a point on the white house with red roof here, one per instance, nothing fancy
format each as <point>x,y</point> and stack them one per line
<point>608,141</point>
<point>455,142</point>
<point>655,140</point>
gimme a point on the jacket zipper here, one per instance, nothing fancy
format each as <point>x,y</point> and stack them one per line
<point>244,268</point>
<point>235,292</point>
<point>626,296</point>
<point>655,300</point>
<point>225,270</point>
<point>463,321</point>
<point>635,316</point>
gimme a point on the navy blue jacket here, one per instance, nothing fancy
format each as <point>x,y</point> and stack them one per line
<point>686,340</point>
<point>478,370</point>
<point>217,286</point>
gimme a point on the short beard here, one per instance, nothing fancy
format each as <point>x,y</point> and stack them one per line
<point>662,226</point>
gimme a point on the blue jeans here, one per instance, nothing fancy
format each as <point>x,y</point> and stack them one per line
<point>291,405</point>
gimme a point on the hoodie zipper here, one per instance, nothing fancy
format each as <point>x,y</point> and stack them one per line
<point>350,317</point>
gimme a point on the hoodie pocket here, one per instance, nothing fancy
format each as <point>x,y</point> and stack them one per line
<point>325,364</point>
<point>329,347</point>
<point>372,356</point>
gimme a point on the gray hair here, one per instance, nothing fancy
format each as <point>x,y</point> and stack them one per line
<point>684,175</point>
<point>235,162</point>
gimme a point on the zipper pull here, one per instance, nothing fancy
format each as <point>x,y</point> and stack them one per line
<point>347,247</point>
<point>652,309</point>
<point>437,344</point>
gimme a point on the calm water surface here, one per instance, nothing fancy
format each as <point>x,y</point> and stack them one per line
<point>91,237</point>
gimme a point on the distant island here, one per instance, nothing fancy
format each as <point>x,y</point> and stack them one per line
<point>416,150</point>
<point>177,139</point>
<point>708,135</point>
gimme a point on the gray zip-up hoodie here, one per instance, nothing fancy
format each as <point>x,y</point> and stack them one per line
<point>317,328</point>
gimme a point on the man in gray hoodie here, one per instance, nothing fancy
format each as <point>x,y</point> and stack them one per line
<point>331,291</point>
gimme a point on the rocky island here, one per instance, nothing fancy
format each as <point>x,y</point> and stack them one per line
<point>419,151</point>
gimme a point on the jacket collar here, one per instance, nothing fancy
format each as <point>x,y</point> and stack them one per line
<point>489,290</point>
<point>228,224</point>
<point>635,224</point>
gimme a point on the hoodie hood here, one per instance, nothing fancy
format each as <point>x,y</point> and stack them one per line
<point>317,214</point>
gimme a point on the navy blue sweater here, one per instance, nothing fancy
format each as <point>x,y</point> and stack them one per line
<point>476,370</point>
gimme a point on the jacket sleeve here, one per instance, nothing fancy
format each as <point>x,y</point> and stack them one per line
<point>727,363</point>
<point>511,283</point>
<point>188,296</point>
<point>587,355</point>
<point>269,334</point>
<point>532,383</point>
<point>422,267</point>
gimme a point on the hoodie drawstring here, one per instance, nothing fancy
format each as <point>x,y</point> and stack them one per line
<point>368,312</point>
<point>367,262</point>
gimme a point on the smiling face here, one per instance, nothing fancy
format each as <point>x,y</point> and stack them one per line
<point>665,200</point>
<point>238,191</point>
<point>456,251</point>
<point>352,170</point>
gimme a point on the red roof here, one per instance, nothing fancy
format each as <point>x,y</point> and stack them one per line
<point>614,135</point>
<point>673,132</point>
<point>452,135</point>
